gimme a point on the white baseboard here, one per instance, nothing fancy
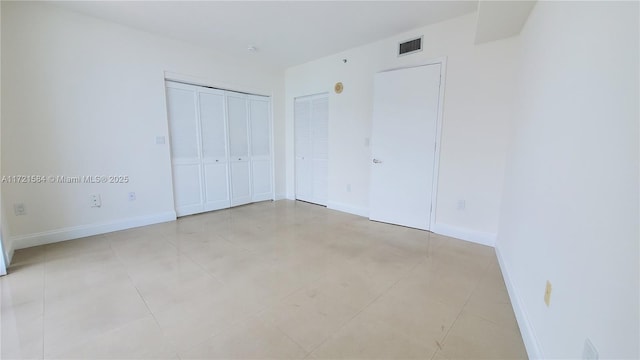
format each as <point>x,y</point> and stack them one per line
<point>529,337</point>
<point>10,253</point>
<point>478,237</point>
<point>75,232</point>
<point>356,210</point>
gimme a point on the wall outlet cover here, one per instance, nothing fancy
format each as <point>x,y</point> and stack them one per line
<point>19,209</point>
<point>547,294</point>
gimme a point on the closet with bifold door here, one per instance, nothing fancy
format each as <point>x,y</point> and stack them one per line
<point>221,147</point>
<point>311,147</point>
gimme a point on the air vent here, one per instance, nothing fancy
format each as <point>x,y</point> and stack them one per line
<point>410,46</point>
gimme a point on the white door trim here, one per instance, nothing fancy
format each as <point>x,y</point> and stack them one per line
<point>436,161</point>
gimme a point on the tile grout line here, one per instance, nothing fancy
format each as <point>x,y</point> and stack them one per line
<point>135,286</point>
<point>446,335</point>
<point>341,326</point>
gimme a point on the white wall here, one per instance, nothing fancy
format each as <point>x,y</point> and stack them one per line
<point>478,95</point>
<point>570,211</point>
<point>83,96</point>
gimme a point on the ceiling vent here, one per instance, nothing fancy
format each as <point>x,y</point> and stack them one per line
<point>410,46</point>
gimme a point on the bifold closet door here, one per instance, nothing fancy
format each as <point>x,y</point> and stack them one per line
<point>198,148</point>
<point>240,164</point>
<point>311,136</point>
<point>214,149</point>
<point>259,115</point>
<point>185,149</point>
<point>221,147</point>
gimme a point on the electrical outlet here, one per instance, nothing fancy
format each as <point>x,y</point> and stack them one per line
<point>462,204</point>
<point>348,187</point>
<point>159,140</point>
<point>547,293</point>
<point>94,200</point>
<point>19,209</point>
<point>132,196</point>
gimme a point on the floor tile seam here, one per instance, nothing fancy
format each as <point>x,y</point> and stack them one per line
<point>153,316</point>
<point>201,267</point>
<point>110,331</point>
<point>462,308</point>
<point>133,283</point>
<point>135,286</point>
<point>307,352</point>
<point>360,311</point>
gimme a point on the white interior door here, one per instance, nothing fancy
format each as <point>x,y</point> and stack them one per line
<point>302,144</point>
<point>185,149</point>
<point>259,115</point>
<point>405,117</point>
<point>214,149</point>
<point>319,127</point>
<point>311,115</point>
<point>237,108</point>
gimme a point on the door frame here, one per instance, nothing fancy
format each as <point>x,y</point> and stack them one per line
<point>442,61</point>
<point>295,187</point>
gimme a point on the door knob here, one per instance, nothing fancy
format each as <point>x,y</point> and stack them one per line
<point>376,161</point>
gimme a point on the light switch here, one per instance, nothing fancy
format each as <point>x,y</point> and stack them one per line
<point>159,140</point>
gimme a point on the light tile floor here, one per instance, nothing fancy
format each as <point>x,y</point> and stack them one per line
<point>285,280</point>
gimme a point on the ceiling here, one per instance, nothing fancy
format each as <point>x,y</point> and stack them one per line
<point>284,33</point>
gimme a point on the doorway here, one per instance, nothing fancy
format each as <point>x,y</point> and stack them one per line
<point>311,139</point>
<point>405,135</point>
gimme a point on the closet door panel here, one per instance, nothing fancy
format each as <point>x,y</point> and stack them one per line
<point>261,178</point>
<point>311,148</point>
<point>186,189</point>
<point>238,120</point>
<point>212,118</point>
<point>214,149</point>
<point>302,144</point>
<point>181,108</point>
<point>260,131</point>
<point>319,127</point>
<point>185,155</point>
<point>259,115</point>
<point>216,186</point>
<point>240,183</point>
<point>238,127</point>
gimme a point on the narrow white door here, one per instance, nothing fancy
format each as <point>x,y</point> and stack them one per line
<point>237,108</point>
<point>311,135</point>
<point>259,115</point>
<point>302,145</point>
<point>319,127</point>
<point>185,149</point>
<point>405,117</point>
<point>214,149</point>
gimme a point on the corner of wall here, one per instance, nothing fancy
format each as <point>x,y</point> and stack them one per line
<point>527,331</point>
<point>355,210</point>
<point>474,236</point>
